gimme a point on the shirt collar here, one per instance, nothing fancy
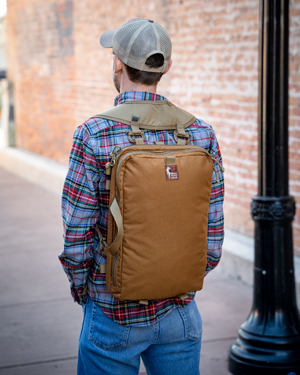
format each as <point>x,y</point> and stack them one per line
<point>136,95</point>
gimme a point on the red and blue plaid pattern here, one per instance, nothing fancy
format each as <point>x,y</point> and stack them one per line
<point>85,203</point>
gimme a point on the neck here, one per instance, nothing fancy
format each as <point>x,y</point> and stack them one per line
<point>131,86</point>
<point>127,85</point>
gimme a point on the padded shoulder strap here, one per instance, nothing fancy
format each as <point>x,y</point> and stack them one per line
<point>153,115</point>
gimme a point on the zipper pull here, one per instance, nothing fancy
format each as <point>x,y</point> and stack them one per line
<point>116,150</point>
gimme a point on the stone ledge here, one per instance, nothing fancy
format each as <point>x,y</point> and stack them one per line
<point>238,258</point>
<point>34,168</point>
<point>238,250</point>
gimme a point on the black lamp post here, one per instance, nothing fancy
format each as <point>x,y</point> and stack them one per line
<point>269,341</point>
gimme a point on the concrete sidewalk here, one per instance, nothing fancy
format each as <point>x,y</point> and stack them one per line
<point>40,324</point>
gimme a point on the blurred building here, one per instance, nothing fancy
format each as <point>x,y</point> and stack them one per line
<point>2,58</point>
<point>60,77</point>
<point>2,44</point>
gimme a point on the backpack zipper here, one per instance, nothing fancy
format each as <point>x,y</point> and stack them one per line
<point>163,153</point>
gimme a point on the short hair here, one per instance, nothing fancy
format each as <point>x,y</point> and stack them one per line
<point>147,78</point>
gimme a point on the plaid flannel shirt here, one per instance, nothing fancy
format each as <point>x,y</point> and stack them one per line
<point>85,203</point>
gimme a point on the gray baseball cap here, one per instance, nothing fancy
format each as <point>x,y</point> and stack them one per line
<point>137,40</point>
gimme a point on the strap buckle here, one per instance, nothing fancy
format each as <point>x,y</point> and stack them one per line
<point>177,135</point>
<point>132,133</point>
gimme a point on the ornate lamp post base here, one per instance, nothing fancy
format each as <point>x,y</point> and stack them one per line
<point>269,341</point>
<point>251,354</point>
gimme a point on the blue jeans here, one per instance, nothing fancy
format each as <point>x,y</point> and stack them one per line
<point>168,347</point>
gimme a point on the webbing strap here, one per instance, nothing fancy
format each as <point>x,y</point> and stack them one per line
<point>107,184</point>
<point>181,141</point>
<point>116,213</point>
<point>170,160</point>
<point>139,141</point>
<point>107,169</point>
<point>102,268</point>
<point>135,130</point>
<point>183,296</point>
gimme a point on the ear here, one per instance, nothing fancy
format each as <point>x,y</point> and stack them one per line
<point>169,66</point>
<point>117,64</point>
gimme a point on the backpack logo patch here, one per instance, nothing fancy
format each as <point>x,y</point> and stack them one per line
<point>171,172</point>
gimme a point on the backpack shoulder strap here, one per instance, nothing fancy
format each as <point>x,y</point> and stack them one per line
<point>152,115</point>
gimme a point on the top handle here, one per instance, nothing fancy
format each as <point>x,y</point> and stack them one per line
<point>135,131</point>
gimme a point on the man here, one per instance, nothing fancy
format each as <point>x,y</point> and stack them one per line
<point>115,334</point>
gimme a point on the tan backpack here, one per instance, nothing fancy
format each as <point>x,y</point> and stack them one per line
<point>159,202</point>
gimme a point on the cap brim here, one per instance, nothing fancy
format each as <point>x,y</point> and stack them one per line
<point>106,38</point>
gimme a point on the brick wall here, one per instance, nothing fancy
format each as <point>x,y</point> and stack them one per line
<point>220,72</point>
<point>61,77</point>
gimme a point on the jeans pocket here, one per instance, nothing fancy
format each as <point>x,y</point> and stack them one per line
<point>192,321</point>
<point>105,333</point>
